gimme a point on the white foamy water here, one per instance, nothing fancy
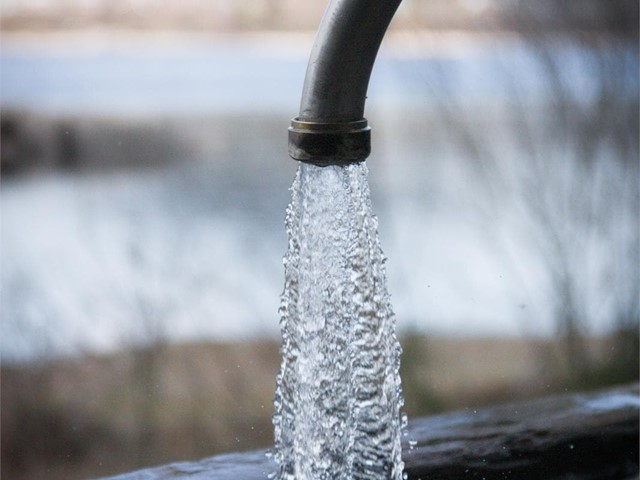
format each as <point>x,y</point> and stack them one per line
<point>338,397</point>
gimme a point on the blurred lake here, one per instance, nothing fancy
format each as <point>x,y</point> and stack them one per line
<point>169,223</point>
<point>147,75</point>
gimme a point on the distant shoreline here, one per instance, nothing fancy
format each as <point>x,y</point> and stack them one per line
<point>414,43</point>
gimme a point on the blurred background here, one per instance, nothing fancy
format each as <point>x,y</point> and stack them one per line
<point>144,183</point>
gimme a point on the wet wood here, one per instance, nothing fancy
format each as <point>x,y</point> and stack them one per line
<point>574,436</point>
<point>578,437</point>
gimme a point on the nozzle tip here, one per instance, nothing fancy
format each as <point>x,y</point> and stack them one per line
<point>324,144</point>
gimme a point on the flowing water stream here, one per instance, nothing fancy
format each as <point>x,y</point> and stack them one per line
<point>338,396</point>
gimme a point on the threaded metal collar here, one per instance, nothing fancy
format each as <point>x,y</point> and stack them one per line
<point>323,144</point>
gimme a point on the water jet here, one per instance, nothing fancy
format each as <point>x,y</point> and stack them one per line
<point>338,396</point>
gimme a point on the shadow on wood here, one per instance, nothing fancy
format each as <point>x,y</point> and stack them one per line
<point>578,437</point>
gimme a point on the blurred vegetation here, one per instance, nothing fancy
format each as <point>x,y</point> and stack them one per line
<point>92,416</point>
<point>562,171</point>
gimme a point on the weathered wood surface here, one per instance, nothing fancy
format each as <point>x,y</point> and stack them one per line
<point>564,437</point>
<point>578,437</point>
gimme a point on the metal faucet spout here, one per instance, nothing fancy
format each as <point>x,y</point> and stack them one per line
<point>331,128</point>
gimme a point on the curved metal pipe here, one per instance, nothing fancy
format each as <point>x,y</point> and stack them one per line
<point>331,128</point>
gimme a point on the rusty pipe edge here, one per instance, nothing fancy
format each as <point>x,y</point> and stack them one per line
<point>330,128</point>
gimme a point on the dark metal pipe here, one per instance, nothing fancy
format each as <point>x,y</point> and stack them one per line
<point>331,128</point>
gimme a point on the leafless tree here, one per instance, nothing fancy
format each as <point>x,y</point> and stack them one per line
<point>573,187</point>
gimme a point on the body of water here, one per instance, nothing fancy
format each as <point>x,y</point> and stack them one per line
<point>192,250</point>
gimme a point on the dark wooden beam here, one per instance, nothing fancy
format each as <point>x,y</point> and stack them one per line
<point>578,437</point>
<point>591,436</point>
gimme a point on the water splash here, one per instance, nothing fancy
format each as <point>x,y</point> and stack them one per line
<point>338,396</point>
